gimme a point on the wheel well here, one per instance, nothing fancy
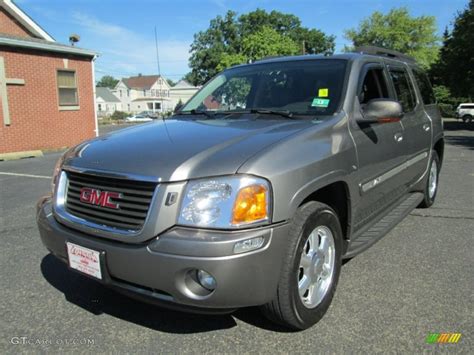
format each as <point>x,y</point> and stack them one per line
<point>336,196</point>
<point>439,148</point>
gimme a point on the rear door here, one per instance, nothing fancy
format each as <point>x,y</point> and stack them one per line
<point>417,125</point>
<point>378,149</point>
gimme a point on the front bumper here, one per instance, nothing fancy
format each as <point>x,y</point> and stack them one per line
<point>158,270</point>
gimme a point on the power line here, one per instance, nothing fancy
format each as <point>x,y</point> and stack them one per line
<point>121,73</point>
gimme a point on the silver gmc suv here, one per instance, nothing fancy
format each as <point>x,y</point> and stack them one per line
<point>254,191</point>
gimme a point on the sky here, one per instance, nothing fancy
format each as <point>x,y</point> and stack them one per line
<point>122,32</point>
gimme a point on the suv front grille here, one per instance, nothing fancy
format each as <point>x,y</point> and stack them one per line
<point>133,204</point>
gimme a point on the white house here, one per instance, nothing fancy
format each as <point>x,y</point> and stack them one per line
<point>151,93</point>
<point>106,102</point>
<point>182,92</point>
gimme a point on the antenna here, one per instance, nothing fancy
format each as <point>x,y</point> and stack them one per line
<point>159,70</point>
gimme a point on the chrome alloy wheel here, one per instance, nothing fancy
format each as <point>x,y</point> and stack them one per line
<point>433,180</point>
<point>316,269</point>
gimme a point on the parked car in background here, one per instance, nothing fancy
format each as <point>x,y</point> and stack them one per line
<point>144,116</point>
<point>465,112</point>
<point>255,191</point>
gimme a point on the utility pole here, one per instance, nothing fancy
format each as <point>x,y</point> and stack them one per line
<point>303,51</point>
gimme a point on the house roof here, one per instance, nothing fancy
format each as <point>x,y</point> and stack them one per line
<point>143,82</point>
<point>106,94</point>
<point>25,20</point>
<point>41,44</point>
<point>183,84</point>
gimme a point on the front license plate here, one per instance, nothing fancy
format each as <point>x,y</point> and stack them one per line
<point>84,260</point>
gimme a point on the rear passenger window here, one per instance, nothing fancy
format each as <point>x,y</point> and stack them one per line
<point>403,89</point>
<point>373,86</point>
<point>425,87</point>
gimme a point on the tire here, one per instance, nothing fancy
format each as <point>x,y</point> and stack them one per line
<point>288,308</point>
<point>467,118</point>
<point>430,195</point>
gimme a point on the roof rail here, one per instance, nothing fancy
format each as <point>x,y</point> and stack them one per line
<point>373,50</point>
<point>268,58</point>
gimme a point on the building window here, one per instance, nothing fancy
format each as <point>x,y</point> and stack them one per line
<point>100,107</point>
<point>128,93</point>
<point>157,106</point>
<point>128,107</point>
<point>67,88</point>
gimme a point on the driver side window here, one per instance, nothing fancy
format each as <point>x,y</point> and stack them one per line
<point>374,86</point>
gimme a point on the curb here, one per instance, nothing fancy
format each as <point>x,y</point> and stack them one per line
<point>21,155</point>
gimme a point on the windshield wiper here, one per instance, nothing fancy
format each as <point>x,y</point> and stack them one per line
<point>283,113</point>
<point>208,114</point>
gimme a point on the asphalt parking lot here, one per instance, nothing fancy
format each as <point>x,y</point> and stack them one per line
<point>417,280</point>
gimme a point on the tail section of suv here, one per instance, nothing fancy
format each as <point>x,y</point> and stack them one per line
<point>254,192</point>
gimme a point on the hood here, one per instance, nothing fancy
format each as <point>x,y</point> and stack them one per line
<point>175,150</point>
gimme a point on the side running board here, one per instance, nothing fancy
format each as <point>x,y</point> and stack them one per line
<point>370,236</point>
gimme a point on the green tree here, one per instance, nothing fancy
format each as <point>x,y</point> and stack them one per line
<point>267,42</point>
<point>179,104</point>
<point>229,60</point>
<point>231,40</point>
<point>107,81</point>
<point>442,93</point>
<point>170,82</point>
<point>455,67</point>
<point>398,30</point>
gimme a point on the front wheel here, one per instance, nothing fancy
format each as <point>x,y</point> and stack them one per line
<point>310,270</point>
<point>431,187</point>
<point>467,118</point>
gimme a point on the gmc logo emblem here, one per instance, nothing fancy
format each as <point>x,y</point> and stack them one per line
<point>100,198</point>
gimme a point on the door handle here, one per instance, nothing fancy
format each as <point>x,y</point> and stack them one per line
<point>426,127</point>
<point>398,137</point>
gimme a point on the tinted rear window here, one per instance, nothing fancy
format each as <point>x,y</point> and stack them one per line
<point>425,87</point>
<point>467,107</point>
<point>403,89</point>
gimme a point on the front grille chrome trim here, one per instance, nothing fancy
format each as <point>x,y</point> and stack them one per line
<point>80,221</point>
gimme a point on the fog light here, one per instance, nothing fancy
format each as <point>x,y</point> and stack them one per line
<point>206,280</point>
<point>248,245</point>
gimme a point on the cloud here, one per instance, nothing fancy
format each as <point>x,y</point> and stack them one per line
<point>124,52</point>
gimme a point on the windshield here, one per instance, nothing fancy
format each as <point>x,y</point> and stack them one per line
<point>306,87</point>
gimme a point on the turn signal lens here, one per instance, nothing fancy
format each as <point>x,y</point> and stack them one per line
<point>250,205</point>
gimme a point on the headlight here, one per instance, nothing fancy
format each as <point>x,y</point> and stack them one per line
<point>59,164</point>
<point>226,202</point>
<point>56,171</point>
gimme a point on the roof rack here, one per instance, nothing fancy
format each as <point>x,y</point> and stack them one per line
<point>373,50</point>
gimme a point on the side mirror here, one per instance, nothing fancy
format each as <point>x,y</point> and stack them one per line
<point>382,111</point>
<point>177,108</point>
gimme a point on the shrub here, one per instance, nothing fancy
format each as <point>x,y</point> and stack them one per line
<point>119,115</point>
<point>447,110</point>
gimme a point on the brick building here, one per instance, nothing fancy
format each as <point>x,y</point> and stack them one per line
<point>46,88</point>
